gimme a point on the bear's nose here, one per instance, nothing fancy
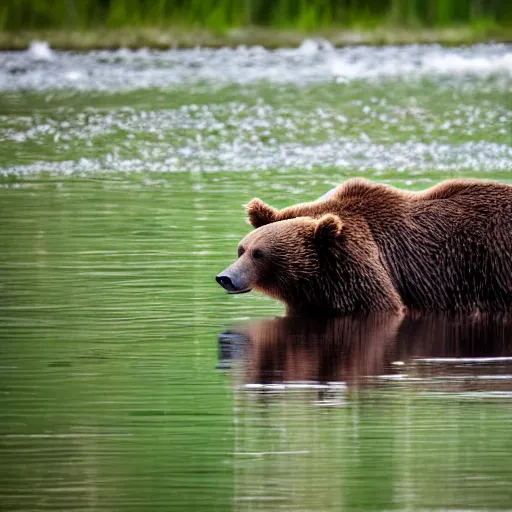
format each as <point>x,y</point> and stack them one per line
<point>226,283</point>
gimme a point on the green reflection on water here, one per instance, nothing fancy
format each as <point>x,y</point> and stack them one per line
<point>381,451</point>
<point>110,397</point>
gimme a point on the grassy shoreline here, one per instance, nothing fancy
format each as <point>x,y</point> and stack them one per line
<point>163,38</point>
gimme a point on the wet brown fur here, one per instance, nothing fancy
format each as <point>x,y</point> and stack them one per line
<point>318,267</point>
<point>448,248</point>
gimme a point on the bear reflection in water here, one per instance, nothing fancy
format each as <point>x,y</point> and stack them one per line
<point>355,349</point>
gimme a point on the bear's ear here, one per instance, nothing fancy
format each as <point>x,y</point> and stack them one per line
<point>260,213</point>
<point>328,228</point>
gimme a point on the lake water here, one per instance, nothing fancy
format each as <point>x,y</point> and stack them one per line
<point>130,381</point>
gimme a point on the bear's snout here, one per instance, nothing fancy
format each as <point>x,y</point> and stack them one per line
<point>233,282</point>
<point>226,283</point>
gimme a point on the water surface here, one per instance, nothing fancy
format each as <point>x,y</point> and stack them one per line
<point>123,176</point>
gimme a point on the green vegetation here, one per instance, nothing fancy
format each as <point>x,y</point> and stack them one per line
<point>89,23</point>
<point>220,14</point>
<point>186,37</point>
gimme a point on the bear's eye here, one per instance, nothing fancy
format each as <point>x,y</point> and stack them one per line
<point>241,250</point>
<point>257,254</point>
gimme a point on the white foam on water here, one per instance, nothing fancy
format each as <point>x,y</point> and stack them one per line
<point>294,386</point>
<point>40,51</point>
<point>308,48</point>
<point>277,452</point>
<point>434,63</point>
<point>468,65</point>
<point>472,377</point>
<point>372,159</point>
<point>465,360</point>
<point>236,135</point>
<point>311,47</point>
<point>74,76</point>
<point>486,394</point>
<point>314,61</point>
<point>241,136</point>
<point>444,378</point>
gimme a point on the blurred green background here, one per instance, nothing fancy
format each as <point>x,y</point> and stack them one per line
<point>374,21</point>
<point>218,14</point>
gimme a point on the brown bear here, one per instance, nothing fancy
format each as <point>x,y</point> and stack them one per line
<point>371,247</point>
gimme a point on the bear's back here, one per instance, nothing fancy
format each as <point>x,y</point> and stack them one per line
<point>448,247</point>
<point>468,190</point>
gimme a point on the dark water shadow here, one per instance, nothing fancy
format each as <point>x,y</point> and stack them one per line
<point>435,351</point>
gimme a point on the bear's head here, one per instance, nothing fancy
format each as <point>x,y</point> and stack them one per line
<point>283,258</point>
